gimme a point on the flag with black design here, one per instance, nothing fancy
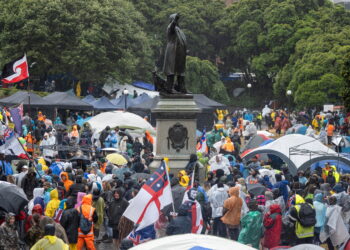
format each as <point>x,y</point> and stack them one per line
<point>15,71</point>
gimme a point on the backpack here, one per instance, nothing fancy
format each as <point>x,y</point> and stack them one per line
<point>307,215</point>
<point>84,224</point>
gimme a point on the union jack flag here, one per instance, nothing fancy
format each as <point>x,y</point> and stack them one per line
<point>143,235</point>
<point>154,195</point>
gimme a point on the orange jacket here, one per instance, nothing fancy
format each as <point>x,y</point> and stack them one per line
<point>67,183</point>
<point>87,210</point>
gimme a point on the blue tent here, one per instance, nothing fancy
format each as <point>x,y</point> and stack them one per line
<point>119,103</point>
<point>141,99</point>
<point>144,85</point>
<point>88,99</point>
<point>103,104</point>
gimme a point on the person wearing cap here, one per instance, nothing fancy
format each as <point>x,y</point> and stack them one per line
<point>50,241</point>
<point>8,233</point>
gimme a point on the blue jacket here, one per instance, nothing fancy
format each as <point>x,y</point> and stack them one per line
<point>283,187</point>
<point>320,208</point>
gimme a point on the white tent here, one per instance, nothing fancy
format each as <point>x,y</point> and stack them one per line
<point>191,241</point>
<point>119,118</point>
<point>298,151</point>
<point>111,87</point>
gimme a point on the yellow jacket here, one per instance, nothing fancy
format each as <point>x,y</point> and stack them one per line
<point>50,242</point>
<point>53,204</point>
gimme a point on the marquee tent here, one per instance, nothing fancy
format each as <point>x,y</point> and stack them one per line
<point>25,97</point>
<point>298,151</point>
<point>103,104</point>
<point>63,100</point>
<point>89,99</point>
<point>118,118</point>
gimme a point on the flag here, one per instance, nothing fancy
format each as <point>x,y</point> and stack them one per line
<point>202,144</point>
<point>143,235</point>
<point>17,119</point>
<point>197,218</point>
<point>15,71</point>
<point>14,147</point>
<point>154,195</point>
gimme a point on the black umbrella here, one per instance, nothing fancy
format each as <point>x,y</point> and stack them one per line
<point>60,127</point>
<point>256,189</point>
<point>12,197</point>
<point>137,176</point>
<point>82,158</point>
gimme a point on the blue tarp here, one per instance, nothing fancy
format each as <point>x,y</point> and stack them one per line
<point>144,85</point>
<point>88,99</point>
<point>103,104</point>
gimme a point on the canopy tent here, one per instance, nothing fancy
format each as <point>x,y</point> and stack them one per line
<point>202,100</point>
<point>141,99</point>
<point>63,100</point>
<point>298,151</point>
<point>118,88</point>
<point>119,118</point>
<point>191,241</point>
<point>103,104</point>
<point>88,99</point>
<point>25,97</point>
<point>120,103</point>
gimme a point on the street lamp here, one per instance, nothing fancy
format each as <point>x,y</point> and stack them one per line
<point>249,86</point>
<point>289,94</point>
<point>126,93</point>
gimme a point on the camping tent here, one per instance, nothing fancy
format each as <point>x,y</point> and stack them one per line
<point>119,118</point>
<point>191,241</point>
<point>88,99</point>
<point>298,151</point>
<point>25,97</point>
<point>63,100</point>
<point>103,104</point>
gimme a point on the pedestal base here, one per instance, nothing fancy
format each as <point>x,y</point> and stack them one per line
<point>176,131</point>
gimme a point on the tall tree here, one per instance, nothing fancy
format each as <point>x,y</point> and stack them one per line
<point>94,40</point>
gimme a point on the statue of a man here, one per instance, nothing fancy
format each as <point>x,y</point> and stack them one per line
<point>175,56</point>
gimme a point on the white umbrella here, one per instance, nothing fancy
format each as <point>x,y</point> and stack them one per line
<point>189,241</point>
<point>121,119</point>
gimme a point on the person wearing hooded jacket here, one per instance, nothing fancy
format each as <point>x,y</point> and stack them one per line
<point>50,241</point>
<point>232,212</point>
<point>99,204</point>
<point>70,222</point>
<point>89,212</point>
<point>53,204</point>
<point>181,224</point>
<point>115,212</point>
<point>8,233</point>
<point>320,209</point>
<point>29,182</point>
<point>77,187</point>
<point>217,199</point>
<point>66,181</point>
<point>273,226</point>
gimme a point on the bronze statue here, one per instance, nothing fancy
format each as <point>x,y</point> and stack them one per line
<point>175,57</point>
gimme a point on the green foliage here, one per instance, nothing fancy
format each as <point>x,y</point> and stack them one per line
<point>346,76</point>
<point>94,40</point>
<point>202,76</point>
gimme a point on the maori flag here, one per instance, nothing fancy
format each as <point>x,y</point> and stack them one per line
<point>15,71</point>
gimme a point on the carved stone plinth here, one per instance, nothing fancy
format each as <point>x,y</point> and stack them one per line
<point>176,130</point>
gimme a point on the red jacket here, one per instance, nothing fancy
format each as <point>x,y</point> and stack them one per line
<point>273,226</point>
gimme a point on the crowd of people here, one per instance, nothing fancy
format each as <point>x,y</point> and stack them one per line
<point>80,203</point>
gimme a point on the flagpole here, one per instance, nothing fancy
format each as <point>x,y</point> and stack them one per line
<point>166,160</point>
<point>28,87</point>
<point>192,178</point>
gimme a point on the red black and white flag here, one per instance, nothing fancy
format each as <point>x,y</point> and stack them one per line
<point>15,71</point>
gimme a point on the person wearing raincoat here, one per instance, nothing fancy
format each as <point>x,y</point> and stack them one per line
<point>111,140</point>
<point>8,233</point>
<point>184,179</point>
<point>50,241</point>
<point>53,204</point>
<point>66,181</point>
<point>273,226</point>
<point>320,209</point>
<point>251,224</point>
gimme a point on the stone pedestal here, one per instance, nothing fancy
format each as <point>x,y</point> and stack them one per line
<point>176,118</point>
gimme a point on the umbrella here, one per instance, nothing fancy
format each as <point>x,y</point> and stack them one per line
<point>12,197</point>
<point>191,241</point>
<point>306,247</point>
<point>81,158</point>
<point>137,176</point>
<point>256,189</point>
<point>60,127</point>
<point>116,159</point>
